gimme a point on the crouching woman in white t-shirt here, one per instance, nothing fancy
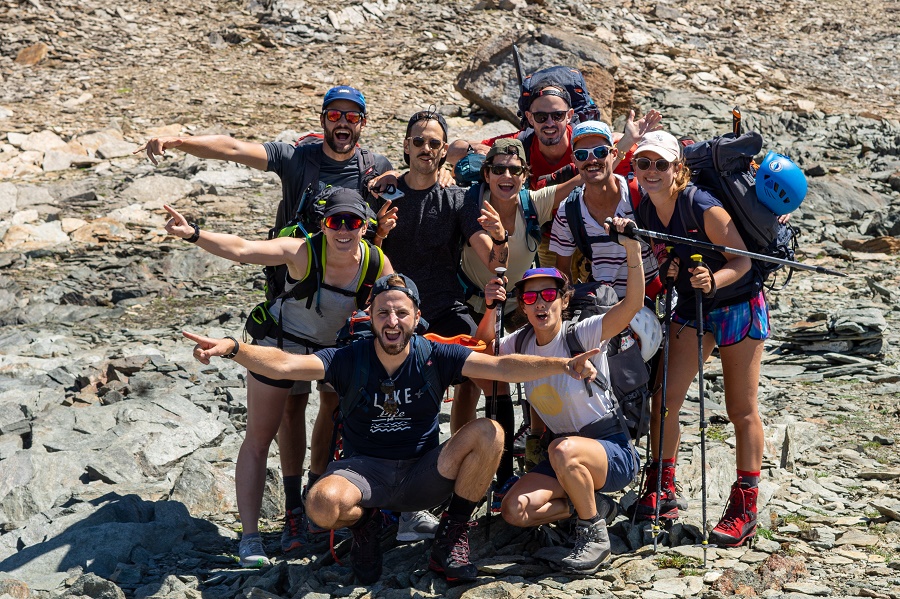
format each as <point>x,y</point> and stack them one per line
<point>591,454</point>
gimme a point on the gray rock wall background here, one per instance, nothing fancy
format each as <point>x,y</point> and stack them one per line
<point>117,450</point>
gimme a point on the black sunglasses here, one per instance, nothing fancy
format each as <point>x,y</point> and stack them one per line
<point>643,164</point>
<point>499,169</point>
<point>433,143</point>
<point>556,115</point>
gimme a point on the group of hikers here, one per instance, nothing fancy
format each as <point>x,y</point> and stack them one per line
<point>473,288</point>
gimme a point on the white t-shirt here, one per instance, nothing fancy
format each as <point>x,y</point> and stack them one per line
<point>562,401</point>
<point>522,249</point>
<point>608,259</point>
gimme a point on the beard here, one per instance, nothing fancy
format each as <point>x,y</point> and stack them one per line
<point>425,168</point>
<point>551,141</point>
<point>394,348</point>
<point>341,147</point>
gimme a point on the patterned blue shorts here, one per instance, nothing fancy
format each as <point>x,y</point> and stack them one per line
<point>732,324</point>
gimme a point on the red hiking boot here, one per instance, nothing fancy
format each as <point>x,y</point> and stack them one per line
<point>668,506</point>
<point>738,524</point>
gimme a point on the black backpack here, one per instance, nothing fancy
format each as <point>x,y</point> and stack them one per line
<point>723,166</point>
<point>567,77</point>
<point>629,375</point>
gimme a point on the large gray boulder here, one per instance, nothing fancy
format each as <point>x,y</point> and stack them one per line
<point>490,78</point>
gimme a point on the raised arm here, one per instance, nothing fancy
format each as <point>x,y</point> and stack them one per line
<point>490,243</point>
<point>518,368</point>
<point>215,147</point>
<point>620,315</point>
<point>267,361</point>
<point>281,250</point>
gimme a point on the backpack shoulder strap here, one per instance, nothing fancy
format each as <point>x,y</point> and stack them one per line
<point>575,220</point>
<point>522,335</point>
<point>532,225</point>
<point>686,209</point>
<point>634,191</point>
<point>312,280</point>
<point>429,371</point>
<point>310,162</point>
<point>526,136</point>
<point>372,266</point>
<point>575,348</point>
<point>361,367</point>
<point>367,171</point>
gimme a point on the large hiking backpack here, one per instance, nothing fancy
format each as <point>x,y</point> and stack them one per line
<point>629,375</point>
<point>572,80</point>
<point>724,167</point>
<point>261,324</point>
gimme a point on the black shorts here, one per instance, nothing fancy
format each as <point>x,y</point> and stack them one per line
<point>452,322</point>
<point>398,485</point>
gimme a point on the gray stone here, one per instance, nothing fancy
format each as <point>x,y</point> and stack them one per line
<point>56,161</point>
<point>807,588</point>
<point>42,141</point>
<point>91,585</point>
<point>156,190</point>
<point>204,488</point>
<point>31,482</point>
<point>229,177</point>
<point>8,194</point>
<point>116,149</point>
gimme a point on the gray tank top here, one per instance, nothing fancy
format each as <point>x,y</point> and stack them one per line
<point>308,324</point>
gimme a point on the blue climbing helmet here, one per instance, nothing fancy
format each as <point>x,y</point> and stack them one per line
<point>780,184</point>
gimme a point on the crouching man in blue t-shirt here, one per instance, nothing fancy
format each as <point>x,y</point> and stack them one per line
<point>391,388</point>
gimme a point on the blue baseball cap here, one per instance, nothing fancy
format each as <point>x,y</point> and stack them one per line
<point>588,128</point>
<point>547,272</point>
<point>344,92</point>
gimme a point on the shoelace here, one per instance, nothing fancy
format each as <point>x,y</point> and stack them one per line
<point>458,536</point>
<point>292,521</point>
<point>735,509</point>
<point>582,538</point>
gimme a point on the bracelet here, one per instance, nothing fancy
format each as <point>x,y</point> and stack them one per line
<point>233,352</point>
<point>566,368</point>
<point>502,241</point>
<point>193,238</point>
<point>490,306</point>
<point>381,237</point>
<point>635,266</point>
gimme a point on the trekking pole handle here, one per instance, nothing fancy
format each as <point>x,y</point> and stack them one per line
<point>698,261</point>
<point>614,233</point>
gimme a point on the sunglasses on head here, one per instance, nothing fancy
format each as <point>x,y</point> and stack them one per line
<point>600,152</point>
<point>335,221</point>
<point>556,115</point>
<point>352,116</point>
<point>643,164</point>
<point>548,295</point>
<point>499,169</point>
<point>433,143</point>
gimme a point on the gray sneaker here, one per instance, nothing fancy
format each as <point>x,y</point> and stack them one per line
<point>416,526</point>
<point>591,549</point>
<point>252,554</point>
<point>607,507</point>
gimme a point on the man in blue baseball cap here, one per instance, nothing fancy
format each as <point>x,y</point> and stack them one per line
<point>305,167</point>
<point>578,223</point>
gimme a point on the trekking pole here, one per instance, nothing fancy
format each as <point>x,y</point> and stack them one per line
<point>663,409</point>
<point>498,333</point>
<point>632,231</point>
<point>698,295</point>
<point>517,60</point>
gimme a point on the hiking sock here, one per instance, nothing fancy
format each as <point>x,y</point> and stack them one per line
<point>249,535</point>
<point>593,520</point>
<point>293,491</point>
<point>506,417</point>
<point>311,479</point>
<point>751,479</point>
<point>460,510</point>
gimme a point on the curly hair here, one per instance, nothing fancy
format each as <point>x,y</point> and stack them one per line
<point>567,292</point>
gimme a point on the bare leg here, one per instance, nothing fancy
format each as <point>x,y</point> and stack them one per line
<point>471,456</point>
<point>535,499</point>
<point>292,435</point>
<point>581,467</point>
<point>265,405</point>
<point>740,367</point>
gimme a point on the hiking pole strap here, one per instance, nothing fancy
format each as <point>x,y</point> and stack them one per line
<point>725,249</point>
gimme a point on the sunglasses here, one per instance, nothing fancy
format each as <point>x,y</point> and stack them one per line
<point>548,295</point>
<point>600,152</point>
<point>433,143</point>
<point>352,116</point>
<point>643,164</point>
<point>335,221</point>
<point>499,169</point>
<point>556,115</point>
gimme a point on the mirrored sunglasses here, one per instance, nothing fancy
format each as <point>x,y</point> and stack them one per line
<point>548,295</point>
<point>352,116</point>
<point>335,221</point>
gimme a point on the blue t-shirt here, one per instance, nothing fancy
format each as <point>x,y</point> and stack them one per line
<point>739,291</point>
<point>404,425</point>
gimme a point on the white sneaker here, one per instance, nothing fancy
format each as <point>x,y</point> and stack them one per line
<point>416,526</point>
<point>252,554</point>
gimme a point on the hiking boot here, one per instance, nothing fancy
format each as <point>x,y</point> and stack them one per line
<point>592,547</point>
<point>416,526</point>
<point>366,556</point>
<point>450,552</point>
<point>607,507</point>
<point>668,502</point>
<point>292,536</point>
<point>500,492</point>
<point>738,524</point>
<point>252,554</point>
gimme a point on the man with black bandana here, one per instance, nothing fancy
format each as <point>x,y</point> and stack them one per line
<point>334,160</point>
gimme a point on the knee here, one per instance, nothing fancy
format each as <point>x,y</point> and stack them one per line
<point>323,503</point>
<point>513,510</point>
<point>294,410</point>
<point>561,454</point>
<point>488,435</point>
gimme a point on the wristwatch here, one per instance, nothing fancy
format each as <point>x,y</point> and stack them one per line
<point>502,241</point>
<point>233,352</point>
<point>193,238</point>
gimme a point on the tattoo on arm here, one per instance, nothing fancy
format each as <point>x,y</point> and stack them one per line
<point>504,254</point>
<point>493,255</point>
